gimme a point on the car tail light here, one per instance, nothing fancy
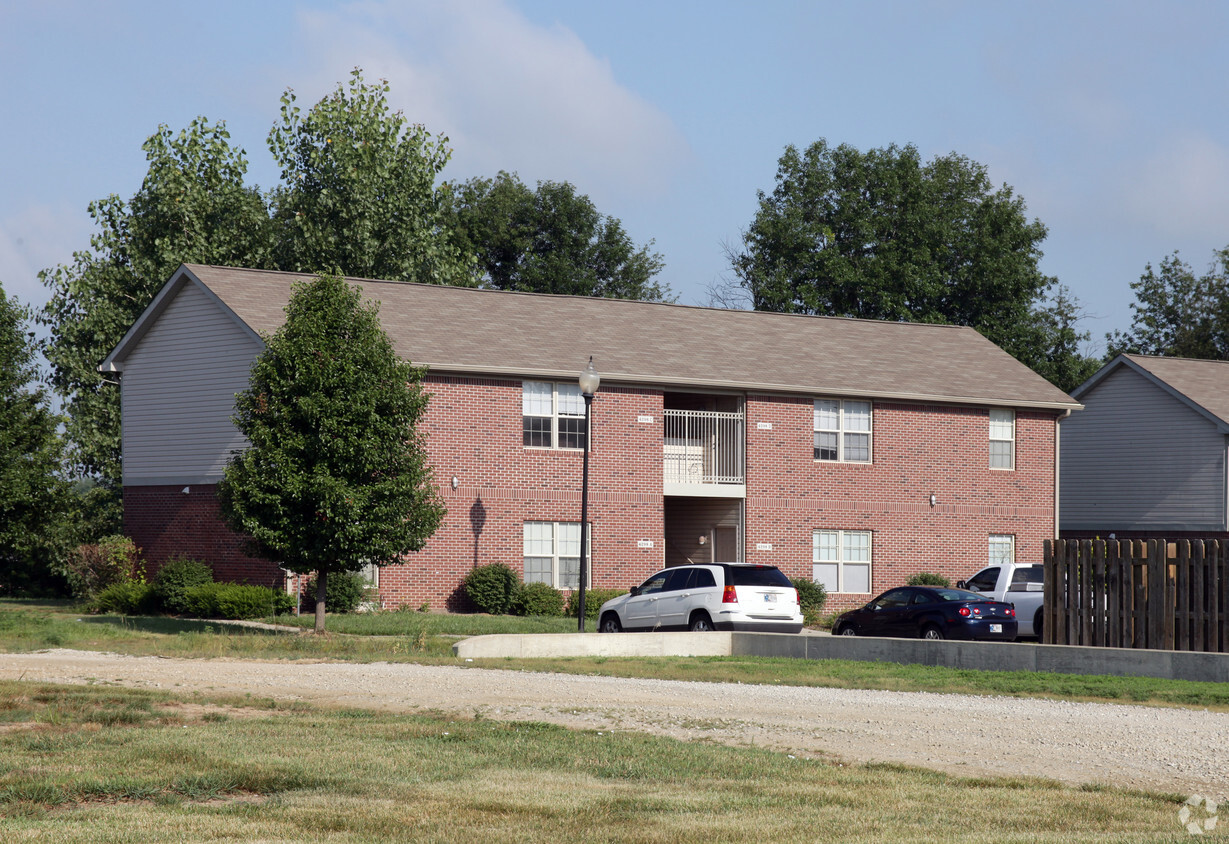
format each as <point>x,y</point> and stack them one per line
<point>976,610</point>
<point>797,600</point>
<point>964,611</point>
<point>1011,612</point>
<point>729,595</point>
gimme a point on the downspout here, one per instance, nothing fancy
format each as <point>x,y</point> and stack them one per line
<point>1057,465</point>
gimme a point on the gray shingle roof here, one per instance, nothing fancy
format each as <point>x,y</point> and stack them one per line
<point>1204,383</point>
<point>461,330</point>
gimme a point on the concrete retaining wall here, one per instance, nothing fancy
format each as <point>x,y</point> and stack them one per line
<point>982,656</point>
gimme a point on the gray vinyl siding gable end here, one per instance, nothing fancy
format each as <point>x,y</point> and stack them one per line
<point>178,391</point>
<point>1137,458</point>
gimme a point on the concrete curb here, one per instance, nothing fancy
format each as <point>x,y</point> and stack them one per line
<point>982,656</point>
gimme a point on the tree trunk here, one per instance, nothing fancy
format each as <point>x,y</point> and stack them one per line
<point>321,582</point>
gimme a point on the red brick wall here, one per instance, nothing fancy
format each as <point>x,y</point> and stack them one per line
<point>165,522</point>
<point>472,431</point>
<point>917,450</point>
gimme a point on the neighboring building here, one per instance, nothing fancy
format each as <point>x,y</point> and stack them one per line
<point>1146,456</point>
<point>852,451</point>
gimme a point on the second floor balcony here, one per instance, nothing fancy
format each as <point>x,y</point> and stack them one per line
<point>703,453</point>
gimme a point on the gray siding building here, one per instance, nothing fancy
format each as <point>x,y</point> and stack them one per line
<point>1147,455</point>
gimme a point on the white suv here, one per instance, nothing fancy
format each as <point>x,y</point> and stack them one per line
<point>720,596</point>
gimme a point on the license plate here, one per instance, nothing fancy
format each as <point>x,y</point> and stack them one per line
<point>770,597</point>
<point>996,628</point>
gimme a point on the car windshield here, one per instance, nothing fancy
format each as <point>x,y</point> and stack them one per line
<point>957,595</point>
<point>757,576</point>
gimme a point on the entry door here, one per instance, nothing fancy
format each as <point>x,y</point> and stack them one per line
<point>725,545</point>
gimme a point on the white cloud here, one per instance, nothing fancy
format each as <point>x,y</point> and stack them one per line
<point>1182,189</point>
<point>509,94</point>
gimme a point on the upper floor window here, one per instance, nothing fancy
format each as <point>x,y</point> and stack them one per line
<point>552,415</point>
<point>1002,438</point>
<point>843,430</point>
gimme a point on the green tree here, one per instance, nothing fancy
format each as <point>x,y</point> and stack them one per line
<point>358,197</point>
<point>336,477</point>
<point>192,207</point>
<point>35,498</point>
<point>550,240</point>
<point>1179,313</point>
<point>882,235</point>
<point>1059,355</point>
<point>358,193</point>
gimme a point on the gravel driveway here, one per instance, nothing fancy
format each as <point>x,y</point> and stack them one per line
<point>1168,749</point>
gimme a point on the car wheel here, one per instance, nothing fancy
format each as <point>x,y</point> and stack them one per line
<point>847,630</point>
<point>701,623</point>
<point>610,624</point>
<point>931,632</point>
<point>1038,619</point>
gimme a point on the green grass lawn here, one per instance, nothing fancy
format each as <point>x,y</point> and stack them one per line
<point>108,764</point>
<point>428,638</point>
<point>105,763</point>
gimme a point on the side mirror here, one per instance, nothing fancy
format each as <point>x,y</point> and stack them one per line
<point>960,584</point>
<point>635,590</point>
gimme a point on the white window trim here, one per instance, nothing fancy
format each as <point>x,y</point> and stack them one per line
<point>1007,540</point>
<point>556,574</point>
<point>555,415</point>
<point>1011,440</point>
<point>841,562</point>
<point>841,431</point>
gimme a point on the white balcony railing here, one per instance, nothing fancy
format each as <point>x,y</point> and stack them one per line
<point>703,447</point>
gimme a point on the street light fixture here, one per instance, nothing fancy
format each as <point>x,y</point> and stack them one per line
<point>589,381</point>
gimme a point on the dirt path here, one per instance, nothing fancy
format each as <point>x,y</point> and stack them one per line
<point>1175,750</point>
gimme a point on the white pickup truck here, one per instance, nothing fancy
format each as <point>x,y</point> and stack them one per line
<point>1013,583</point>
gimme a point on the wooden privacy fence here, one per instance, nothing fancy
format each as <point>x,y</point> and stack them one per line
<point>1137,594</point>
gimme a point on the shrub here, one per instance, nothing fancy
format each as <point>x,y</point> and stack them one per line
<point>811,598</point>
<point>115,559</point>
<point>537,599</point>
<point>176,576</point>
<point>343,591</point>
<point>127,598</point>
<point>927,578</point>
<point>594,598</point>
<point>234,600</point>
<point>491,587</point>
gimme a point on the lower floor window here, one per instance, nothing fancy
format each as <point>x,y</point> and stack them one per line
<point>841,560</point>
<point>1002,549</point>
<point>552,554</point>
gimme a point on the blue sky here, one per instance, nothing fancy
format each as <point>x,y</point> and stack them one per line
<point>1111,119</point>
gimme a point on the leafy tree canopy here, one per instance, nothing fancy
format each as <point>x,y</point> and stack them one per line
<point>1179,313</point>
<point>357,197</point>
<point>336,477</point>
<point>1059,355</point>
<point>35,498</point>
<point>358,192</point>
<point>882,235</point>
<point>550,240</point>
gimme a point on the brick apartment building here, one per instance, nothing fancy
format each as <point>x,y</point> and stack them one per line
<point>851,451</point>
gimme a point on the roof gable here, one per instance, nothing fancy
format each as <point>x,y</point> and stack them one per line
<point>1202,385</point>
<point>114,362</point>
<point>464,330</point>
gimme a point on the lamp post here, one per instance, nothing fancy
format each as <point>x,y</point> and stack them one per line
<point>589,381</point>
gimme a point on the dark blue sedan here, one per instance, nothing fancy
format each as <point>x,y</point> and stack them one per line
<point>930,612</point>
